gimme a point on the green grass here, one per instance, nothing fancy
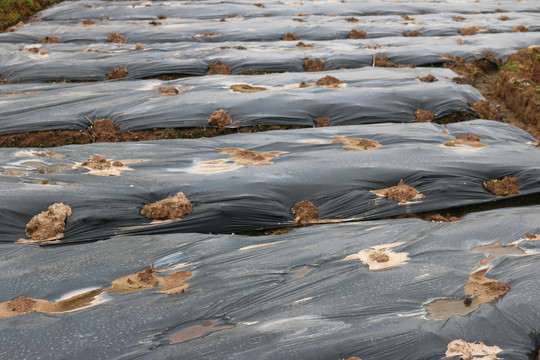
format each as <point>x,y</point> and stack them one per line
<point>13,11</point>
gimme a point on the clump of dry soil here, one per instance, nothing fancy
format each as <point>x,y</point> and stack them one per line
<point>49,224</point>
<point>321,122</point>
<point>412,33</point>
<point>313,64</point>
<point>115,38</point>
<point>506,186</point>
<point>289,37</point>
<point>245,88</point>
<point>520,28</point>
<point>87,22</point>
<point>401,192</point>
<point>380,257</point>
<point>485,110</point>
<point>219,118</point>
<point>329,82</point>
<point>247,157</point>
<point>168,90</point>
<point>218,68</point>
<point>104,130</point>
<point>357,34</point>
<point>470,351</point>
<point>49,40</point>
<point>471,30</point>
<point>353,144</point>
<point>428,78</point>
<point>304,212</point>
<point>423,115</point>
<point>465,140</point>
<point>117,73</point>
<point>96,162</point>
<point>171,208</point>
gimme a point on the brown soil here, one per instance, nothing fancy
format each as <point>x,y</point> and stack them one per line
<point>383,61</point>
<point>162,17</point>
<point>18,94</point>
<point>169,90</point>
<point>3,81</point>
<point>116,38</point>
<point>484,289</point>
<point>246,157</point>
<point>470,30</point>
<point>138,46</point>
<point>428,78</point>
<point>208,34</point>
<point>352,19</point>
<point>503,18</point>
<point>458,18</point>
<point>218,68</point>
<point>304,212</point>
<point>49,224</point>
<point>104,130</point>
<point>299,19</point>
<point>357,34</point>
<point>401,192</point>
<point>472,141</point>
<point>96,162</point>
<point>423,115</point>
<point>380,257</point>
<point>260,5</point>
<point>198,330</point>
<point>49,40</point>
<point>485,110</point>
<point>117,73</point>
<point>245,88</point>
<point>305,47</point>
<point>289,37</point>
<point>155,23</point>
<point>353,144</point>
<point>219,118</point>
<point>329,81</point>
<point>434,217</point>
<point>321,122</point>
<point>87,22</point>
<point>471,351</point>
<point>171,208</point>
<point>520,28</point>
<point>506,186</point>
<point>313,64</point>
<point>304,84</point>
<point>412,33</point>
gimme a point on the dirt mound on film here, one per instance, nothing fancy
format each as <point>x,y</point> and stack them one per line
<point>171,208</point>
<point>484,289</point>
<point>169,90</point>
<point>357,34</point>
<point>520,28</point>
<point>245,88</point>
<point>321,122</point>
<point>117,73</point>
<point>382,61</point>
<point>329,82</point>
<point>401,192</point>
<point>423,115</point>
<point>428,78</point>
<point>49,40</point>
<point>115,38</point>
<point>218,68</point>
<point>353,144</point>
<point>247,157</point>
<point>471,30</point>
<point>313,64</point>
<point>289,37</point>
<point>304,212</point>
<point>412,33</point>
<point>49,224</point>
<point>506,186</point>
<point>485,110</point>
<point>104,130</point>
<point>463,140</point>
<point>97,162</point>
<point>219,118</point>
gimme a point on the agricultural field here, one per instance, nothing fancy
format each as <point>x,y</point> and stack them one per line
<point>278,180</point>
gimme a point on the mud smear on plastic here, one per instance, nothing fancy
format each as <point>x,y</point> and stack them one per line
<point>197,329</point>
<point>237,159</point>
<point>381,257</point>
<point>497,250</point>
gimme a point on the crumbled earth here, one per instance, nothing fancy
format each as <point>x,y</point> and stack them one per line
<point>470,30</point>
<point>353,144</point>
<point>289,37</point>
<point>321,122</point>
<point>471,351</point>
<point>247,157</point>
<point>97,162</point>
<point>87,22</point>
<point>329,81</point>
<point>428,78</point>
<point>117,73</point>
<point>381,257</point>
<point>520,28</point>
<point>506,186</point>
<point>484,289</point>
<point>458,18</point>
<point>116,38</point>
<point>245,88</point>
<point>383,61</point>
<point>219,118</point>
<point>171,208</point>
<point>49,40</point>
<point>304,212</point>
<point>485,110</point>
<point>357,34</point>
<point>305,46</point>
<point>155,23</point>
<point>412,33</point>
<point>218,68</point>
<point>168,90</point>
<point>104,130</point>
<point>352,19</point>
<point>470,140</point>
<point>401,192</point>
<point>423,115</point>
<point>49,224</point>
<point>313,64</point>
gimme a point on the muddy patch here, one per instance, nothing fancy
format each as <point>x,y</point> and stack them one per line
<point>353,144</point>
<point>169,90</point>
<point>49,40</point>
<point>357,34</point>
<point>466,350</point>
<point>171,208</point>
<point>381,257</point>
<point>197,329</point>
<point>401,192</point>
<point>465,141</point>
<point>304,212</point>
<point>100,166</point>
<point>289,37</point>
<point>115,38</point>
<point>504,187</point>
<point>497,250</point>
<point>219,118</point>
<point>148,279</point>
<point>117,73</point>
<point>412,33</point>
<point>245,88</point>
<point>247,157</point>
<point>423,115</point>
<point>428,78</point>
<point>471,30</point>
<point>48,225</point>
<point>485,110</point>
<point>313,64</point>
<point>218,68</point>
<point>321,122</point>
<point>330,82</point>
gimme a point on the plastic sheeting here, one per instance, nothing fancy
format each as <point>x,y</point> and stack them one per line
<point>282,297</point>
<point>230,197</point>
<point>371,95</point>
<point>68,61</point>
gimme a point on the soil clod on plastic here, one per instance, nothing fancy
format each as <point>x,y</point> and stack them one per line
<point>219,118</point>
<point>48,225</point>
<point>304,212</point>
<point>98,165</point>
<point>470,30</point>
<point>471,351</point>
<point>171,208</point>
<point>104,130</point>
<point>423,115</point>
<point>412,33</point>
<point>401,192</point>
<point>381,257</point>
<point>49,40</point>
<point>485,110</point>
<point>428,78</point>
<point>330,82</point>
<point>289,37</point>
<point>322,121</point>
<point>313,64</point>
<point>465,141</point>
<point>504,187</point>
<point>357,34</point>
<point>218,68</point>
<point>117,73</point>
<point>116,38</point>
<point>243,157</point>
<point>353,144</point>
<point>245,88</point>
<point>169,90</point>
<point>520,28</point>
